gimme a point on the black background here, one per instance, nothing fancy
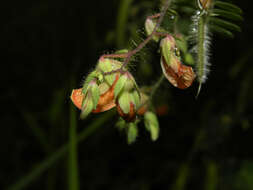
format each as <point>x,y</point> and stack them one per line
<point>48,47</point>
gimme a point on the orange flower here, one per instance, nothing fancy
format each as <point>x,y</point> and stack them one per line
<point>105,102</point>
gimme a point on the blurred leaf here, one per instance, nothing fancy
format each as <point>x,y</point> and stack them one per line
<point>182,175</point>
<point>58,154</point>
<point>38,132</point>
<point>224,24</point>
<point>222,31</point>
<point>228,6</point>
<point>152,125</point>
<point>132,133</point>
<point>73,176</point>
<point>227,14</point>
<point>212,176</point>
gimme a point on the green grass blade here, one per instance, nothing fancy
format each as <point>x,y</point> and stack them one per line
<point>58,154</point>
<point>121,21</point>
<point>73,176</point>
<point>40,135</point>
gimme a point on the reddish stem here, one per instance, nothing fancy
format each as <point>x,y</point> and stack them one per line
<point>128,55</point>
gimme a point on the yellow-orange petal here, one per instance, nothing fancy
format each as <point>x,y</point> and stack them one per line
<point>77,97</point>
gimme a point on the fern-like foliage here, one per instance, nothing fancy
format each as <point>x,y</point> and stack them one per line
<point>225,18</point>
<point>211,16</point>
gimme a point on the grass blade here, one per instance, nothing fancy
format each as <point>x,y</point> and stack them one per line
<point>73,176</point>
<point>58,154</point>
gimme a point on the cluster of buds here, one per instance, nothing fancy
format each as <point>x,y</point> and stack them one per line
<point>102,92</point>
<point>127,96</point>
<point>179,75</point>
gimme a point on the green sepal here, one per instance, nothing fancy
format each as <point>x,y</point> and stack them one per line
<point>166,50</point>
<point>135,98</point>
<point>95,94</point>
<point>108,65</point>
<point>119,85</point>
<point>132,133</point>
<point>152,124</point>
<point>149,27</point>
<point>87,107</point>
<point>103,87</point>
<point>124,102</point>
<point>87,81</point>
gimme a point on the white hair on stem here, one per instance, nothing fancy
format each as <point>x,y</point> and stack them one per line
<point>201,39</point>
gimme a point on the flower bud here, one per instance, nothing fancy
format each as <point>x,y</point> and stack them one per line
<point>167,45</point>
<point>149,27</point>
<point>101,97</point>
<point>107,65</point>
<point>151,124</point>
<point>179,75</point>
<point>127,97</point>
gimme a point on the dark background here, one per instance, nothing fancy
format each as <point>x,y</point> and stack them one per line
<point>48,47</point>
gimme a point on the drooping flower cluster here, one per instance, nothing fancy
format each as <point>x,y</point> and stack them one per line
<point>111,85</point>
<point>102,92</point>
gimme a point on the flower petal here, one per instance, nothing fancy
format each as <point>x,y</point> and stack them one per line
<point>77,97</point>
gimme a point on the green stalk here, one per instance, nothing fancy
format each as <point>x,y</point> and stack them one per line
<point>25,181</point>
<point>121,21</point>
<point>202,49</point>
<point>73,177</point>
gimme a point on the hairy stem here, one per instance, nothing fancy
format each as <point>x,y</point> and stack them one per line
<point>202,49</point>
<point>127,56</point>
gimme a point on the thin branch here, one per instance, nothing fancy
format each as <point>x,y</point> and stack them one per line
<point>128,55</point>
<point>141,45</point>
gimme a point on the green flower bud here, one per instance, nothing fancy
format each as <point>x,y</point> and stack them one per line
<point>127,97</point>
<point>107,65</point>
<point>168,46</point>
<point>124,102</point>
<point>132,133</point>
<point>120,85</point>
<point>149,27</point>
<point>151,124</point>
